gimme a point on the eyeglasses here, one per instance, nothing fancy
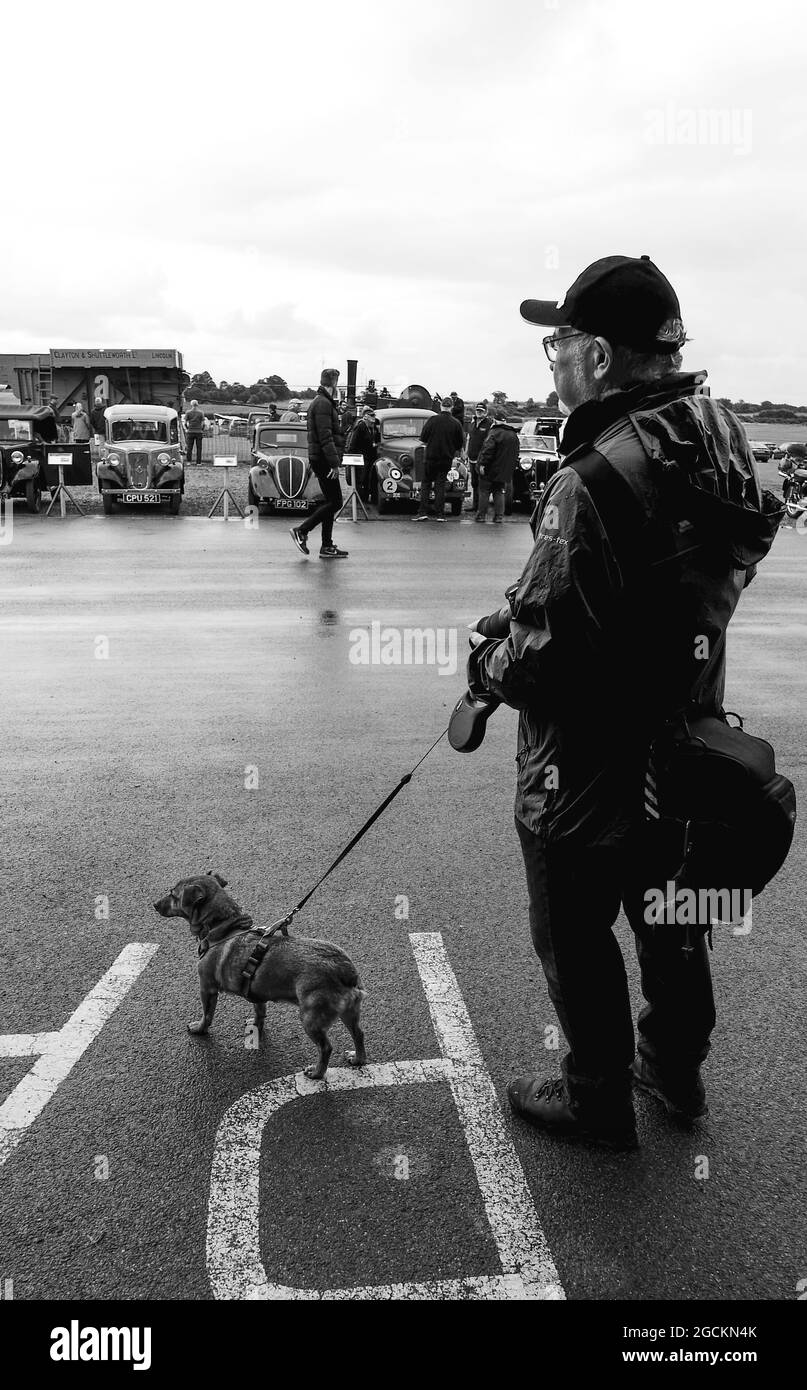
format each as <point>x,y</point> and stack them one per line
<point>551,344</point>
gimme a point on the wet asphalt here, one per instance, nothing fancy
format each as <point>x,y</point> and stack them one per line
<point>228,662</point>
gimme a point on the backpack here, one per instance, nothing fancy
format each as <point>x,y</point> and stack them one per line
<point>711,788</point>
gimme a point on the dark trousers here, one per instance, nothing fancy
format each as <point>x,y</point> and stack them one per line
<point>434,475</point>
<point>324,514</point>
<point>486,490</point>
<point>194,440</point>
<point>474,467</point>
<point>575,895</point>
<point>364,481</point>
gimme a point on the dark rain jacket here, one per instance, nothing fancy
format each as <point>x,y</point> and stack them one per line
<point>443,437</point>
<point>364,440</point>
<point>325,440</point>
<point>595,659</point>
<point>498,456</point>
<point>477,434</point>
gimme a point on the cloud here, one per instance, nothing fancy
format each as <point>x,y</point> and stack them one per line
<point>391,184</point>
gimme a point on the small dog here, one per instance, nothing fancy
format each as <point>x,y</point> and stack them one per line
<point>315,975</point>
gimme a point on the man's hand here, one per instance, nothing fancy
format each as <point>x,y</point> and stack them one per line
<point>476,637</point>
<point>334,473</point>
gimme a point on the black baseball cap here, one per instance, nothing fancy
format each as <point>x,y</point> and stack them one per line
<point>625,299</point>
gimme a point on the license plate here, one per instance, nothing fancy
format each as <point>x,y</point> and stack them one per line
<point>289,503</point>
<point>153,497</point>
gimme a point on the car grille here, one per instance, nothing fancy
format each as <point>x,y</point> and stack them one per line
<point>290,471</point>
<point>138,468</point>
<point>419,455</point>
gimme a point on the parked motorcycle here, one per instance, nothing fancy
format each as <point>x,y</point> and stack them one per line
<point>793,472</point>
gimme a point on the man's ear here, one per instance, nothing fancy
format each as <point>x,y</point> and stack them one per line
<point>220,880</point>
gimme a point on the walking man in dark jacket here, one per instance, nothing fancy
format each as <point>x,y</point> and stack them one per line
<point>443,437</point>
<point>600,643</point>
<point>497,460</point>
<point>325,448</point>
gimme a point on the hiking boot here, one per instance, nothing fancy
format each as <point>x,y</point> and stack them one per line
<point>299,540</point>
<point>546,1105</point>
<point>684,1096</point>
<point>421,516</point>
<point>480,519</point>
<point>332,552</point>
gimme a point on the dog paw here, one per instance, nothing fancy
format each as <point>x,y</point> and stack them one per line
<point>197,1027</point>
<point>353,1060</point>
<point>314,1072</point>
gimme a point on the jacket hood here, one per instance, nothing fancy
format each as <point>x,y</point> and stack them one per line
<point>709,473</point>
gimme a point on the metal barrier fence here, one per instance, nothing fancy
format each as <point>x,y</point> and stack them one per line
<point>223,442</point>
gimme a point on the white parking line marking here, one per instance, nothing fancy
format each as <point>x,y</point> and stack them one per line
<point>59,1052</point>
<point>235,1267</point>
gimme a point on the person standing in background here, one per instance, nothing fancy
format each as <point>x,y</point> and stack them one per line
<point>477,434</point>
<point>194,429</point>
<point>80,424</point>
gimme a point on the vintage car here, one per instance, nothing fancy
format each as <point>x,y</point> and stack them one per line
<point>141,461</point>
<point>24,433</point>
<point>281,478</point>
<point>761,451</point>
<point>401,459</point>
<point>538,459</point>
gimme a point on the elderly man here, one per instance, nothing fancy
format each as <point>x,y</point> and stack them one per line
<point>325,449</point>
<point>292,415</point>
<point>604,637</point>
<point>498,459</point>
<point>194,430</point>
<point>443,437</point>
<point>364,440</point>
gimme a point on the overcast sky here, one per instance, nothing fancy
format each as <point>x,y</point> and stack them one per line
<point>273,188</point>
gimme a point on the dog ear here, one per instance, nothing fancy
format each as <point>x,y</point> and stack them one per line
<point>193,895</point>
<point>220,880</point>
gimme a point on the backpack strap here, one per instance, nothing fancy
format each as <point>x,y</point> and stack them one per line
<point>619,509</point>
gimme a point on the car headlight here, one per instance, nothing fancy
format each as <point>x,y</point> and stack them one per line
<point>395,473</point>
<point>113,459</point>
<point>163,458</point>
<point>526,464</point>
<point>17,456</point>
<point>452,476</point>
<point>406,461</point>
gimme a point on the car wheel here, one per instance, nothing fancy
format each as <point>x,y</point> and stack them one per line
<point>252,498</point>
<point>33,496</point>
<point>110,506</point>
<point>174,503</point>
<point>456,506</point>
<point>383,505</point>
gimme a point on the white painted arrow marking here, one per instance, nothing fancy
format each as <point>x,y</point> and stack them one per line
<point>57,1053</point>
<point>233,1241</point>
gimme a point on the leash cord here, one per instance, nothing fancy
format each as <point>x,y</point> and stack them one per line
<point>284,921</point>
